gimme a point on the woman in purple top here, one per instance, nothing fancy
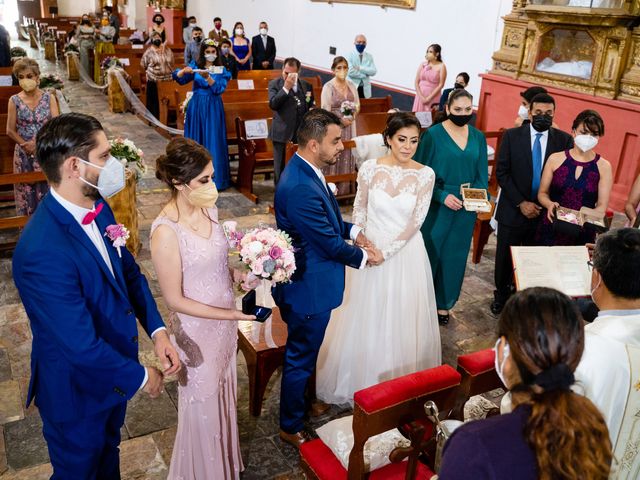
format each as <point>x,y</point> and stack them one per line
<point>552,433</point>
<point>574,179</point>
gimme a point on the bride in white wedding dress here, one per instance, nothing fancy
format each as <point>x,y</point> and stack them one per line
<point>387,325</point>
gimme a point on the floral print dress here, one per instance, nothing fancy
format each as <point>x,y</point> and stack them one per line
<point>28,124</point>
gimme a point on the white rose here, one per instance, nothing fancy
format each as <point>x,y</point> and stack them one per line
<point>255,247</point>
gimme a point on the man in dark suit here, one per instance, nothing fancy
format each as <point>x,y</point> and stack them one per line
<point>263,49</point>
<point>309,213</point>
<point>523,152</point>
<point>289,98</point>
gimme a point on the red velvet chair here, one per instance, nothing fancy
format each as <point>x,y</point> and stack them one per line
<point>382,407</point>
<point>478,375</point>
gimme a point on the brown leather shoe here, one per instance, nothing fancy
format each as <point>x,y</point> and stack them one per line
<point>295,439</point>
<point>318,408</point>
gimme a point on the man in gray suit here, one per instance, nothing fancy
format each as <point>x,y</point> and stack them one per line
<point>289,98</point>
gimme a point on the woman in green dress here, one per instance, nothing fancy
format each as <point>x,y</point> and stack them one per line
<point>457,152</point>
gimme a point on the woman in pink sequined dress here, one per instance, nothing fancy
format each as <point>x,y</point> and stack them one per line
<point>186,237</point>
<point>430,79</point>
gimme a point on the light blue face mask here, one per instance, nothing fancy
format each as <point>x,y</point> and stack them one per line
<point>111,179</point>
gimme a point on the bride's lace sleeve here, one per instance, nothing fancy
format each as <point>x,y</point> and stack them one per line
<point>426,181</point>
<point>362,196</point>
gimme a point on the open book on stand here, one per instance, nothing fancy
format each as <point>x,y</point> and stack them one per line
<point>564,268</point>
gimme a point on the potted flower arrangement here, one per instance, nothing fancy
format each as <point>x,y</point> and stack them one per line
<point>123,203</point>
<point>348,109</point>
<point>17,53</point>
<point>131,156</point>
<point>51,81</point>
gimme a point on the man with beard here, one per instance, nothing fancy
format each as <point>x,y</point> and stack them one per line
<point>82,292</point>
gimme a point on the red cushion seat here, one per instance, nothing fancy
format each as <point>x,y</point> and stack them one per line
<point>477,362</point>
<point>326,465</point>
<point>398,390</point>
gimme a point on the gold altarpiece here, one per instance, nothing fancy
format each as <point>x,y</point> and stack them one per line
<point>587,46</point>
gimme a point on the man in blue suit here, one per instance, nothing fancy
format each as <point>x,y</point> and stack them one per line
<point>310,214</point>
<point>82,296</point>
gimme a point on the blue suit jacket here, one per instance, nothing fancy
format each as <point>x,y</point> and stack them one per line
<point>311,216</point>
<point>84,356</point>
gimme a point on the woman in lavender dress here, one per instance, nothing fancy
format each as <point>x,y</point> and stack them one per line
<point>186,237</point>
<point>28,111</point>
<point>574,179</point>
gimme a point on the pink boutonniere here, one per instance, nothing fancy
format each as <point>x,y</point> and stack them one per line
<point>119,235</point>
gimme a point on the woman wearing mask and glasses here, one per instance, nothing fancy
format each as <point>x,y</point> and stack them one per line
<point>186,237</point>
<point>457,152</point>
<point>241,47</point>
<point>552,433</point>
<point>157,61</point>
<point>573,179</point>
<point>204,115</point>
<point>27,112</point>
<point>335,93</point>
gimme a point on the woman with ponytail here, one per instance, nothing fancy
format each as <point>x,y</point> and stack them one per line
<point>552,433</point>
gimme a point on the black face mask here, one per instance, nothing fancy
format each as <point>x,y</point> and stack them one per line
<point>86,22</point>
<point>459,120</point>
<point>458,86</point>
<point>197,39</point>
<point>157,21</point>
<point>157,42</point>
<point>542,123</point>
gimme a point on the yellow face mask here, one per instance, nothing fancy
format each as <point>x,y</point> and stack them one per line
<point>105,22</point>
<point>204,196</point>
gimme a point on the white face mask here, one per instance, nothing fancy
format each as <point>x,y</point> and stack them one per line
<point>595,288</point>
<point>500,366</point>
<point>239,31</point>
<point>210,57</point>
<point>263,31</point>
<point>523,112</point>
<point>585,142</point>
<point>111,179</point>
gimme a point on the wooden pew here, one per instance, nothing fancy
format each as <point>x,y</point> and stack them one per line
<point>5,94</point>
<point>368,123</point>
<point>6,70</point>
<point>259,74</point>
<point>375,105</point>
<point>255,157</point>
<point>7,147</point>
<point>263,83</point>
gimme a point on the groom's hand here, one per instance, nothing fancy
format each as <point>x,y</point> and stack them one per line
<point>155,384</point>
<point>166,353</point>
<point>374,256</point>
<point>362,241</point>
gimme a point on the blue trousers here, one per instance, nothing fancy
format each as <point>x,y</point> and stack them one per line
<point>86,449</point>
<point>304,338</point>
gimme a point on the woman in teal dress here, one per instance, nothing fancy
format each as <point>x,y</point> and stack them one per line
<point>457,153</point>
<point>204,117</point>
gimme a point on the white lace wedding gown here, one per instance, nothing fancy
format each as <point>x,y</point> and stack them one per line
<point>387,325</point>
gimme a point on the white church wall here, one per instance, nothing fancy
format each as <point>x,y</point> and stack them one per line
<point>75,8</point>
<point>469,31</point>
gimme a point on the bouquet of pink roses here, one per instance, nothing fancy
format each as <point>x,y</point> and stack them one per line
<point>267,252</point>
<point>347,109</point>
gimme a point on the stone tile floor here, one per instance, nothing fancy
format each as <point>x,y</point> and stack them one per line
<point>150,425</point>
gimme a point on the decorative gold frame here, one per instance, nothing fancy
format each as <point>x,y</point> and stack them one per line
<point>408,4</point>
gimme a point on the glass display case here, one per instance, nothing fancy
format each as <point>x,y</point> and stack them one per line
<point>588,46</point>
<point>617,4</point>
<point>566,52</point>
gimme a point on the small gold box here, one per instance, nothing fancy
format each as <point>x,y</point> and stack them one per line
<point>475,199</point>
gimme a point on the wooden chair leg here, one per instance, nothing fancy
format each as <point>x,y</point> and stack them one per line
<point>481,232</point>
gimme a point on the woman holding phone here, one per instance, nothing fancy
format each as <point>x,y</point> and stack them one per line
<point>204,115</point>
<point>186,237</point>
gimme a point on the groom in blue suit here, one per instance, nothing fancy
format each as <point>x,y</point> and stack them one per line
<point>310,214</point>
<point>82,296</point>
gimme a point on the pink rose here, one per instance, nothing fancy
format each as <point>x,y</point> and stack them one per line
<point>275,252</point>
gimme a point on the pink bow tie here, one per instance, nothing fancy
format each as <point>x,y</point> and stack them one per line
<point>91,216</point>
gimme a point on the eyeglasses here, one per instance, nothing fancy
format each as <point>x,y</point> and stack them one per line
<point>590,265</point>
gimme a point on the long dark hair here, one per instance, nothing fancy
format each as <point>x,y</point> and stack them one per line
<point>437,49</point>
<point>183,161</point>
<point>207,43</point>
<point>567,433</point>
